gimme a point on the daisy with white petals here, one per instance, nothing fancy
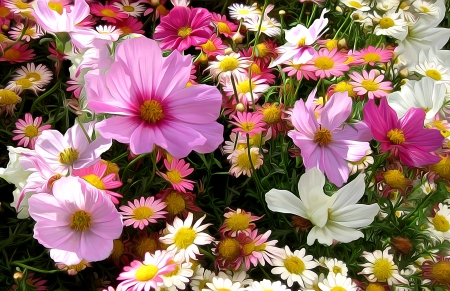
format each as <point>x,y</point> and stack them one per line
<point>439,224</point>
<point>266,285</point>
<point>391,24</point>
<point>241,11</point>
<point>221,284</point>
<point>227,66</point>
<point>31,77</point>
<point>183,237</point>
<point>337,282</point>
<point>178,278</point>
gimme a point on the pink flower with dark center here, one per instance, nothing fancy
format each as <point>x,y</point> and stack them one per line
<point>184,27</point>
<point>28,130</point>
<point>406,136</point>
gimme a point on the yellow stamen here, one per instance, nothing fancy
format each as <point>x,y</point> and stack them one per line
<point>324,63</point>
<point>31,131</point>
<point>386,22</point>
<point>68,156</point>
<point>151,111</point>
<point>396,136</point>
<point>382,269</point>
<point>294,265</point>
<point>175,203</point>
<point>228,64</point>
<point>184,31</point>
<point>323,137</point>
<point>80,220</point>
<point>184,237</point>
<point>146,272</point>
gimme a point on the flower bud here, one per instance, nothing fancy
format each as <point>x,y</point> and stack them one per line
<point>238,38</point>
<point>402,245</point>
<point>240,107</point>
<point>18,276</point>
<point>281,12</point>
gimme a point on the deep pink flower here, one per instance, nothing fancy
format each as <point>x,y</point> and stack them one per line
<point>18,53</point>
<point>225,27</point>
<point>155,107</point>
<point>184,27</point>
<point>325,143</point>
<point>108,13</point>
<point>130,25</point>
<point>406,136</point>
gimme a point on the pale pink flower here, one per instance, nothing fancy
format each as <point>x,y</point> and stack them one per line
<point>248,123</point>
<point>371,55</point>
<point>370,84</point>
<point>177,169</point>
<point>152,103</point>
<point>143,211</point>
<point>76,218</point>
<point>327,64</point>
<point>28,130</point>
<point>326,143</point>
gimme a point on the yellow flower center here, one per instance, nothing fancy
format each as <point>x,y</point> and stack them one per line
<point>209,46</point>
<point>403,5</point>
<point>21,5</point>
<point>372,57</point>
<point>31,131</point>
<point>108,12</point>
<point>322,137</point>
<point>243,160</point>
<point>262,50</point>
<point>395,179</point>
<point>294,265</point>
<point>386,22</point>
<point>374,287</point>
<point>223,27</point>
<point>229,248</point>
<point>243,11</point>
<point>324,63</point>
<point>382,269</point>
<point>331,44</point>
<point>174,272</point>
<point>441,272</point>
<point>301,42</point>
<point>125,30</point>
<point>175,203</point>
<point>272,114</point>
<point>30,31</point>
<point>3,37</point>
<point>4,11</point>
<point>118,248</point>
<point>146,245</point>
<point>237,221</point>
<point>255,69</point>
<point>425,9</point>
<point>247,126</point>
<point>434,74</point>
<point>337,270</point>
<point>55,7</point>
<point>355,4</point>
<point>345,86</point>
<point>338,288</point>
<point>24,83</point>
<point>142,212</point>
<point>80,220</point>
<point>184,237</point>
<point>250,248</point>
<point>442,168</point>
<point>128,8</point>
<point>224,289</point>
<point>441,223</point>
<point>370,85</point>
<point>12,54</point>
<point>184,31</point>
<point>174,176</point>
<point>228,64</point>
<point>396,136</point>
<point>245,86</point>
<point>151,111</point>
<point>68,156</point>
<point>95,181</point>
<point>78,267</point>
<point>146,272</point>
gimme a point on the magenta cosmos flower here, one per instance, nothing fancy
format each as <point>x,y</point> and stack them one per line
<point>148,94</point>
<point>184,27</point>
<point>405,136</point>
<point>325,143</point>
<point>77,218</point>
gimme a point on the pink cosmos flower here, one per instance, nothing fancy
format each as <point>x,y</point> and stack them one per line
<point>405,136</point>
<point>76,218</point>
<point>18,53</point>
<point>67,21</point>
<point>371,55</point>
<point>108,13</point>
<point>327,63</point>
<point>325,143</point>
<point>176,171</point>
<point>143,212</point>
<point>95,175</point>
<point>153,104</point>
<point>28,130</point>
<point>147,274</point>
<point>370,84</point>
<point>184,27</point>
<point>248,123</point>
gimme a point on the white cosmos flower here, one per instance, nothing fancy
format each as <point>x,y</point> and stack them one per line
<point>333,217</point>
<point>425,93</point>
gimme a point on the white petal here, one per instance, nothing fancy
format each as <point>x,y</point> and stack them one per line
<point>350,193</point>
<point>311,179</point>
<point>285,202</point>
<point>357,215</point>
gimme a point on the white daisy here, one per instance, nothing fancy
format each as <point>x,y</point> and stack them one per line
<point>337,282</point>
<point>178,278</point>
<point>266,285</point>
<point>268,27</point>
<point>201,277</point>
<point>439,224</point>
<point>221,284</point>
<point>229,65</point>
<point>132,9</point>
<point>381,268</point>
<point>295,267</point>
<point>241,11</point>
<point>236,276</point>
<point>431,11</point>
<point>240,161</point>
<point>315,283</point>
<point>425,93</point>
<point>248,90</point>
<point>361,5</point>
<point>433,65</point>
<point>391,24</point>
<point>31,77</point>
<point>360,165</point>
<point>183,237</point>
<point>337,267</point>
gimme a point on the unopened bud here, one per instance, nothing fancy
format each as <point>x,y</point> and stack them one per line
<point>240,107</point>
<point>228,51</point>
<point>281,12</point>
<point>376,21</point>
<point>356,16</point>
<point>238,38</point>
<point>404,73</point>
<point>338,9</point>
<point>403,81</point>
<point>342,44</point>
<point>18,276</point>
<point>402,245</point>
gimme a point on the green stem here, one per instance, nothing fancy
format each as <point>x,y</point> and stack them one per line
<point>119,157</point>
<point>53,89</point>
<point>84,130</point>
<point>233,83</point>
<point>34,269</point>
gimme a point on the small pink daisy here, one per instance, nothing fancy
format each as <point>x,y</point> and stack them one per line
<point>213,46</point>
<point>327,63</point>
<point>108,13</point>
<point>29,33</point>
<point>372,55</point>
<point>143,212</point>
<point>298,71</point>
<point>183,28</point>
<point>224,27</point>
<point>238,221</point>
<point>147,274</point>
<point>130,25</point>
<point>177,169</point>
<point>96,176</point>
<point>248,123</point>
<point>28,130</point>
<point>370,83</point>
<point>18,53</point>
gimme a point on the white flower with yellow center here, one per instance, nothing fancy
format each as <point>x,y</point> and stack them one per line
<point>236,276</point>
<point>361,5</point>
<point>439,225</point>
<point>337,282</point>
<point>266,285</point>
<point>229,65</point>
<point>241,163</point>
<point>391,24</point>
<point>241,11</point>
<point>295,267</point>
<point>178,278</point>
<point>31,77</point>
<point>381,268</point>
<point>202,276</point>
<point>337,267</point>
<point>132,9</point>
<point>221,284</point>
<point>183,237</point>
<point>269,27</point>
<point>433,65</point>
